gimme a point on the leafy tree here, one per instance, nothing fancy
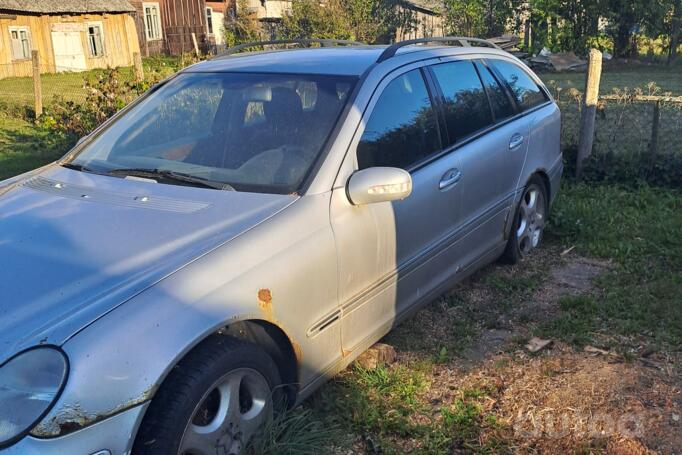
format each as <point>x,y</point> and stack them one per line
<point>242,27</point>
<point>369,21</point>
<point>631,17</point>
<point>478,18</point>
<point>676,25</point>
<point>311,19</point>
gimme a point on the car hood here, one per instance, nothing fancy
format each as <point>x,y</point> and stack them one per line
<point>75,245</point>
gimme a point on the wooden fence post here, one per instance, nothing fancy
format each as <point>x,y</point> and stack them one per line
<point>139,70</point>
<point>37,88</point>
<point>196,46</point>
<point>589,109</point>
<point>655,127</point>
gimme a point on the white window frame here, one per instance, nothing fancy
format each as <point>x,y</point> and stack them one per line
<point>155,5</point>
<point>100,25</point>
<point>208,12</point>
<point>18,31</point>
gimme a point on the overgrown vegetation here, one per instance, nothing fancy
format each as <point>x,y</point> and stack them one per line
<point>299,432</point>
<point>23,146</point>
<point>631,25</point>
<point>367,21</point>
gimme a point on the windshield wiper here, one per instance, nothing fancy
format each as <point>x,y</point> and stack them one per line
<point>79,167</point>
<point>172,176</point>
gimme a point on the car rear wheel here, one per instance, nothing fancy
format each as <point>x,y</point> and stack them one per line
<point>529,222</point>
<point>213,401</point>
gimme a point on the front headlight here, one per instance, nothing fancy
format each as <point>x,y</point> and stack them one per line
<point>29,384</point>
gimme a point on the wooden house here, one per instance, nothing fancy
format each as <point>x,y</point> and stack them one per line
<point>217,11</point>
<point>426,19</point>
<point>172,26</point>
<point>70,35</point>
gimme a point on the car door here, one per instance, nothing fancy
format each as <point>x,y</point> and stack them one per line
<point>534,108</point>
<point>491,145</point>
<point>391,254</point>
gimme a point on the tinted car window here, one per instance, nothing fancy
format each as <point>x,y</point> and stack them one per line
<point>255,132</point>
<point>402,129</point>
<point>466,104</point>
<point>524,88</point>
<point>502,105</point>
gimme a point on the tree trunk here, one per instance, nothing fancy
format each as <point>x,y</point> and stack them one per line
<point>621,42</point>
<point>675,31</point>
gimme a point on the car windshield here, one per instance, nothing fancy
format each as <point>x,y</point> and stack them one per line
<point>249,132</point>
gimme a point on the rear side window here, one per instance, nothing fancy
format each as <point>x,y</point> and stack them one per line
<point>402,129</point>
<point>466,104</point>
<point>501,103</point>
<point>526,91</point>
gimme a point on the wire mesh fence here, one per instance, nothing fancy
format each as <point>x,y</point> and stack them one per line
<point>636,135</point>
<point>67,84</point>
<point>625,122</point>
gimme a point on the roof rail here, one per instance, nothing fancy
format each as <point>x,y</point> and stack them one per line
<point>461,40</point>
<point>322,42</point>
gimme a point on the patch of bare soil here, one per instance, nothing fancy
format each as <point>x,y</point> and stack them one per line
<point>561,399</point>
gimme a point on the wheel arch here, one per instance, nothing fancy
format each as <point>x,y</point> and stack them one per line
<point>544,177</point>
<point>277,343</point>
<point>267,335</point>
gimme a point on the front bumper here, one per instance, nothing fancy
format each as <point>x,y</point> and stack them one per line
<point>114,436</point>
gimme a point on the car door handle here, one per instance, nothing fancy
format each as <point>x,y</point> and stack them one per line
<point>450,178</point>
<point>515,141</point>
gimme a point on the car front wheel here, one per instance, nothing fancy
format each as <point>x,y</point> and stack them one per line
<point>213,401</point>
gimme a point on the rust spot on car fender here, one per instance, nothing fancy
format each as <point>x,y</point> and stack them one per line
<point>265,303</point>
<point>71,418</point>
<point>265,296</point>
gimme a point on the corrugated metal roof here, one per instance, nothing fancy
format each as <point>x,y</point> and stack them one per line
<point>66,6</point>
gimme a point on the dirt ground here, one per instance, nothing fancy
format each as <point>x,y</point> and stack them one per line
<point>615,395</point>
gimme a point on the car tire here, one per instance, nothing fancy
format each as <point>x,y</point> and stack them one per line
<point>529,221</point>
<point>220,378</point>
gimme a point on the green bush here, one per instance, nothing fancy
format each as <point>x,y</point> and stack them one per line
<point>108,93</point>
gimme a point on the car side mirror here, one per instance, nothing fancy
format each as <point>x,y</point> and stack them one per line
<point>379,184</point>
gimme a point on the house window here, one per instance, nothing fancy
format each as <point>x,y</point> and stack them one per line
<point>21,43</point>
<point>152,21</point>
<point>95,40</point>
<point>209,20</point>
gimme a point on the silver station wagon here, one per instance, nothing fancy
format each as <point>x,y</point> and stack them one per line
<point>242,232</point>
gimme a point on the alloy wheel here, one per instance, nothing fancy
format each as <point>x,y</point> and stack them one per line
<point>532,213</point>
<point>228,415</point>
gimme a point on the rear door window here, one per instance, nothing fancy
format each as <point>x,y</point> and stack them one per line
<point>402,129</point>
<point>465,102</point>
<point>524,88</point>
<point>499,100</point>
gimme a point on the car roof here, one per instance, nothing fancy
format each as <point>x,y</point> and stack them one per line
<point>340,60</point>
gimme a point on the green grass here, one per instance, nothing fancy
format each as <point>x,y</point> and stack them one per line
<point>638,75</point>
<point>640,229</point>
<point>299,432</point>
<point>385,407</point>
<point>17,92</point>
<point>23,147</point>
